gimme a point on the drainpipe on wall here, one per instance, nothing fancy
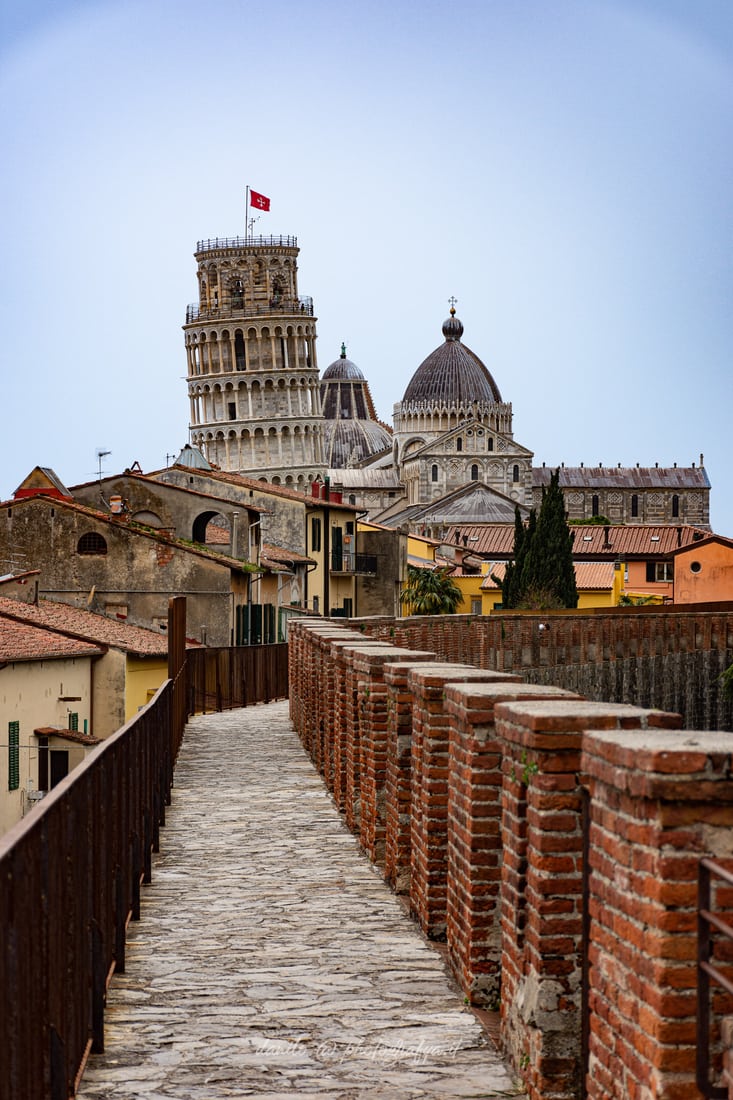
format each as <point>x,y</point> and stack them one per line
<point>327,549</point>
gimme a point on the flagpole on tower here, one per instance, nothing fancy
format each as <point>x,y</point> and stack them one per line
<point>246,214</point>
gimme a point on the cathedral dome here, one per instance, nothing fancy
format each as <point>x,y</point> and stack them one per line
<point>452,374</point>
<point>352,431</point>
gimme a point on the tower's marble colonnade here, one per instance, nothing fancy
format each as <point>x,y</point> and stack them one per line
<point>253,378</point>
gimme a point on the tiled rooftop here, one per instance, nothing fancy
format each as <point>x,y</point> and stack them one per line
<point>589,575</point>
<point>21,641</point>
<point>87,625</point>
<point>591,540</point>
<point>624,477</point>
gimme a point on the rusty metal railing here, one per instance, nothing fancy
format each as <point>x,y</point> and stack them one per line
<point>70,876</point>
<point>237,676</point>
<point>708,974</point>
<point>71,870</point>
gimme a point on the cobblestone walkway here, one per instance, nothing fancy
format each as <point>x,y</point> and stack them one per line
<point>271,960</point>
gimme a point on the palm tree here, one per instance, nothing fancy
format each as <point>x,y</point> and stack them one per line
<point>430,592</point>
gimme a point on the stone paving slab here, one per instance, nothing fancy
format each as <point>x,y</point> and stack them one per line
<point>271,959</point>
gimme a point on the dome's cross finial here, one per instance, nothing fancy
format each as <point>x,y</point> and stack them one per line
<point>452,303</point>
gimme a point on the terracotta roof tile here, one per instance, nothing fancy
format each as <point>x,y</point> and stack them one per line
<point>591,540</point>
<point>87,625</point>
<point>67,735</point>
<point>589,575</point>
<point>21,641</point>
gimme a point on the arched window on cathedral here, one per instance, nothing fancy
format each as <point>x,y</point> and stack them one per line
<point>595,505</point>
<point>515,474</point>
<point>459,444</point>
<point>433,472</point>
<point>675,506</point>
<point>490,443</point>
<point>474,472</point>
<point>91,543</point>
<point>635,505</point>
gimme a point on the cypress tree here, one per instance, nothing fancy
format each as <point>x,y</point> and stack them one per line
<point>555,567</point>
<point>542,574</point>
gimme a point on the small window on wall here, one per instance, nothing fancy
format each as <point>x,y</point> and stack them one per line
<point>315,534</point>
<point>490,443</point>
<point>659,571</point>
<point>74,721</point>
<point>675,506</point>
<point>474,473</point>
<point>433,473</point>
<point>13,756</point>
<point>515,474</point>
<point>475,605</point>
<point>91,543</point>
<point>459,444</point>
<point>634,506</point>
<point>232,410</point>
<point>595,506</point>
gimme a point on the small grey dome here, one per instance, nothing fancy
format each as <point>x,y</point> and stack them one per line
<point>342,368</point>
<point>352,431</point>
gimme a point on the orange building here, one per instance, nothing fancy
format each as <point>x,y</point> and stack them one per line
<point>703,572</point>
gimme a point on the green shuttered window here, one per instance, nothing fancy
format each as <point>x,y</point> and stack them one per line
<point>13,756</point>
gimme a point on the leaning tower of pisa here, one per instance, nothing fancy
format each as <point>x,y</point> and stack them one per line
<point>252,373</point>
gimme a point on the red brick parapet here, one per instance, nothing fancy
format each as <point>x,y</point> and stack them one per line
<point>658,804</point>
<point>475,847</point>
<point>398,779</point>
<point>343,750</point>
<point>431,775</point>
<point>543,948</point>
<point>369,667</point>
<point>605,812</point>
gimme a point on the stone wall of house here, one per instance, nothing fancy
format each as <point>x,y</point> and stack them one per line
<point>552,842</point>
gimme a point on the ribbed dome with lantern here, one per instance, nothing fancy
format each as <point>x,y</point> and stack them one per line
<point>352,431</point>
<point>450,387</point>
<point>452,374</point>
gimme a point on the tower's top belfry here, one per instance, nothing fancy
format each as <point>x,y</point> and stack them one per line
<point>253,275</point>
<point>252,373</point>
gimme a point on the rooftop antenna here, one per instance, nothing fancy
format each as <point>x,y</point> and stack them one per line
<point>100,455</point>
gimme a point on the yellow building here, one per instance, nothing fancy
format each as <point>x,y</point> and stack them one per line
<point>599,584</point>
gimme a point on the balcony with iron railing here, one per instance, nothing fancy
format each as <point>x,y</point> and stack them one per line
<point>345,561</point>
<point>233,308</point>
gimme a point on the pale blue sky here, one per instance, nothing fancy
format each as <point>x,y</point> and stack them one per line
<point>563,167</point>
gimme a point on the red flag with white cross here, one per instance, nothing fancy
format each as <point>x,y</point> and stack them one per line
<point>260,202</point>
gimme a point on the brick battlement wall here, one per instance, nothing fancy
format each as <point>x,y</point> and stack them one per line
<point>663,657</point>
<point>550,840</point>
